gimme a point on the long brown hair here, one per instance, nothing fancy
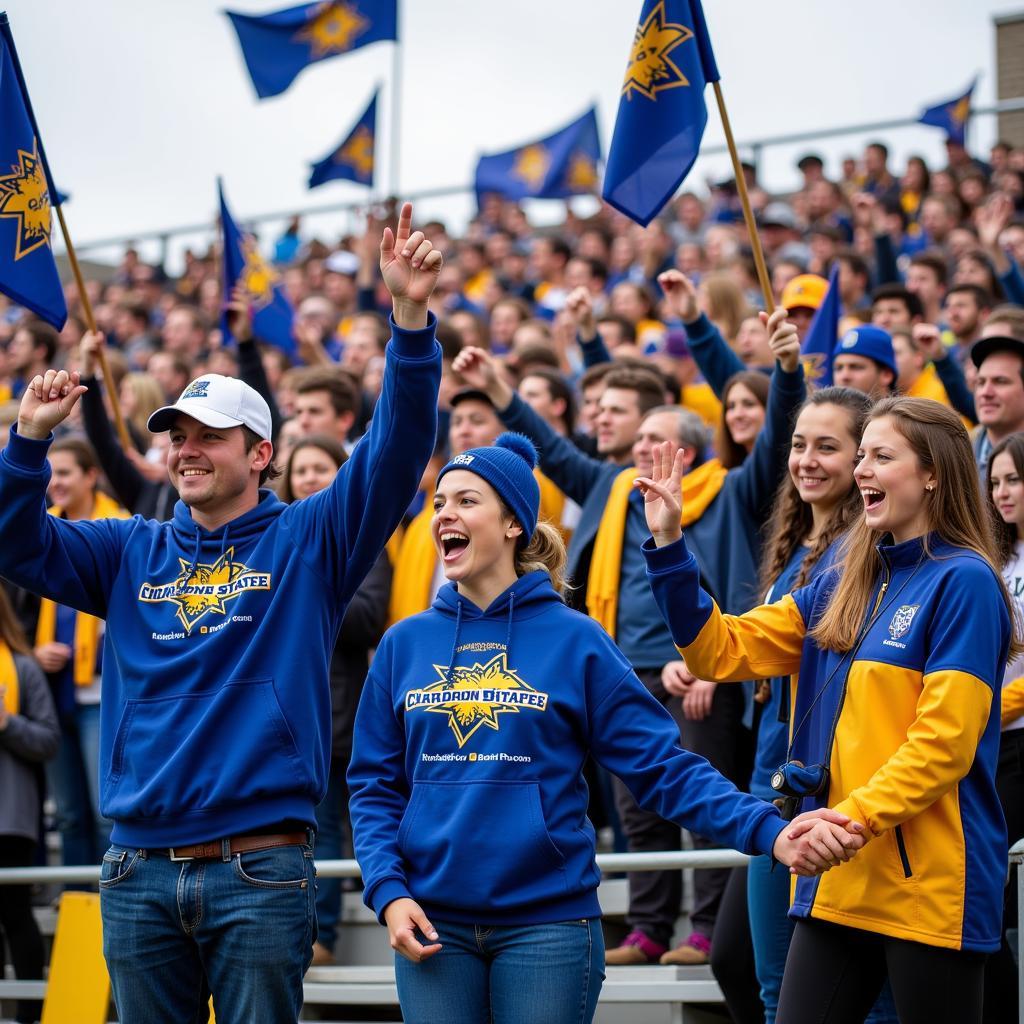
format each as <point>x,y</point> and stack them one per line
<point>730,453</point>
<point>792,518</point>
<point>954,510</point>
<point>545,550</point>
<point>328,445</point>
<point>1005,533</point>
<point>10,628</point>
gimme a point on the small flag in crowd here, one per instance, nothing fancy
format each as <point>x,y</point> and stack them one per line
<point>563,164</point>
<point>662,113</point>
<point>244,264</point>
<point>28,273</point>
<point>951,116</point>
<point>819,343</point>
<point>277,46</point>
<point>352,160</point>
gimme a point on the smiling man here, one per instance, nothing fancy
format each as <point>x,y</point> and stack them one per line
<point>215,733</point>
<point>998,395</point>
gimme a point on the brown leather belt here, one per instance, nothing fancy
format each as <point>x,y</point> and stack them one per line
<point>237,844</point>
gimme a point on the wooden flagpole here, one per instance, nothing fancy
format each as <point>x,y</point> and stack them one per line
<point>748,215</point>
<point>90,323</point>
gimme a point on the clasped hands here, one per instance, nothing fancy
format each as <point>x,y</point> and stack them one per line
<point>815,841</point>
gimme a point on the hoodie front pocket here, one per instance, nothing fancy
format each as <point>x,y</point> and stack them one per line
<point>469,845</point>
<point>202,751</point>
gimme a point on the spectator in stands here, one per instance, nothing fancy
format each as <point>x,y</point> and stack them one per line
<point>864,361</point>
<point>549,257</point>
<point>216,741</point>
<point>31,349</point>
<point>490,916</point>
<point>854,280</point>
<point>801,298</point>
<point>326,402</point>
<point>920,778</point>
<point>965,310</point>
<point>878,180</point>
<point>312,465</point>
<point>926,278</point>
<point>171,373</point>
<point>998,394</point>
<point>184,335</point>
<point>892,305</point>
<point>29,736</point>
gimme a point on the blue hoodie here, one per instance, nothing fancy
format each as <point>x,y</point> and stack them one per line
<point>216,716</point>
<point>466,780</point>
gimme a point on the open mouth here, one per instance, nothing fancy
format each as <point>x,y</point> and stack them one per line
<point>810,482</point>
<point>193,471</point>
<point>453,544</point>
<point>872,498</point>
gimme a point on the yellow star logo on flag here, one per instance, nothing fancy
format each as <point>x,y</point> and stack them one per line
<point>258,277</point>
<point>960,110</point>
<point>25,197</point>
<point>358,152</point>
<point>532,164</point>
<point>582,172</point>
<point>334,27</point>
<point>650,68</point>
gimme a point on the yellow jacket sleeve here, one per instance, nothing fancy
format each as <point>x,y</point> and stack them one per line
<point>1012,700</point>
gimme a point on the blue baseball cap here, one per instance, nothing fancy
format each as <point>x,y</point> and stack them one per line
<point>872,343</point>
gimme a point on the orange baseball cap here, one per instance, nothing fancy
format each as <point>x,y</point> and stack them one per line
<point>805,291</point>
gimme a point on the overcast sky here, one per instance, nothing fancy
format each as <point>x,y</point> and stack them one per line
<point>141,103</point>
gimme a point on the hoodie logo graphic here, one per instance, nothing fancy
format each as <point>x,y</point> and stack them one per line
<point>902,619</point>
<point>476,696</point>
<point>203,588</point>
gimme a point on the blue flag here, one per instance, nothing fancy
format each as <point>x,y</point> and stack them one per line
<point>563,164</point>
<point>819,343</point>
<point>28,273</point>
<point>951,116</point>
<point>243,263</point>
<point>277,46</point>
<point>661,114</point>
<point>353,158</point>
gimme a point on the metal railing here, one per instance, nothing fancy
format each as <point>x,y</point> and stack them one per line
<point>753,148</point>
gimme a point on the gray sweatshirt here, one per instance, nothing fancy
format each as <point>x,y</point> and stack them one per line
<point>31,737</point>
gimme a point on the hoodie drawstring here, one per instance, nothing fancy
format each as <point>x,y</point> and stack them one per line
<point>187,575</point>
<point>508,634</point>
<point>455,644</point>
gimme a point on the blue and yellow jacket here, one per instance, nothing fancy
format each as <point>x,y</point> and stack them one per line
<point>906,723</point>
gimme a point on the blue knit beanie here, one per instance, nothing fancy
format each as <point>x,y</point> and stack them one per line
<point>872,343</point>
<point>507,465</point>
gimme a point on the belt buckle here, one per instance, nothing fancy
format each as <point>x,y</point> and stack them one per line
<point>175,857</point>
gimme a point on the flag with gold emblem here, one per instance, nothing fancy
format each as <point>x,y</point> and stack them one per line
<point>560,165</point>
<point>951,116</point>
<point>662,113</point>
<point>28,273</point>
<point>244,264</point>
<point>277,46</point>
<point>353,158</point>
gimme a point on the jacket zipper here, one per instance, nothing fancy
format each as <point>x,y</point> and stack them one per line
<point>902,847</point>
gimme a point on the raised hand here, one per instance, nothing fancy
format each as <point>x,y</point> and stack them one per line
<point>990,220</point>
<point>89,350</point>
<point>410,266</point>
<point>782,339</point>
<point>403,917</point>
<point>928,339</point>
<point>580,307</point>
<point>680,295</point>
<point>47,402</point>
<point>663,502</point>
<point>239,314</point>
<point>479,369</point>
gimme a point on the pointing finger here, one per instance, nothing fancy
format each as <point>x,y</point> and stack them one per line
<point>404,223</point>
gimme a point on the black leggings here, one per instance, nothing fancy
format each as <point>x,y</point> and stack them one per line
<point>834,974</point>
<point>17,923</point>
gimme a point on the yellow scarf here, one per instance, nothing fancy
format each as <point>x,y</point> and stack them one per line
<point>699,489</point>
<point>87,627</point>
<point>9,679</point>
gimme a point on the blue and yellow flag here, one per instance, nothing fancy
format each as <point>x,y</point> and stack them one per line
<point>28,273</point>
<point>277,46</point>
<point>661,114</point>
<point>353,158</point>
<point>819,344</point>
<point>272,313</point>
<point>951,116</point>
<point>561,165</point>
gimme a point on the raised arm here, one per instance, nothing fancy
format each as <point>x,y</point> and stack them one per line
<point>757,479</point>
<point>949,371</point>
<point>572,472</point>
<point>73,563</point>
<point>580,307</point>
<point>342,529</point>
<point>250,361</point>
<point>765,642</point>
<point>710,350</point>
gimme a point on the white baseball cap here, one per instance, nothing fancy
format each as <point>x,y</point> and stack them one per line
<point>219,402</point>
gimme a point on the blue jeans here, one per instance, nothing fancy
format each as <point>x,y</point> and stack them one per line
<point>332,842</point>
<point>513,974</point>
<point>73,778</point>
<point>174,931</point>
<point>772,929</point>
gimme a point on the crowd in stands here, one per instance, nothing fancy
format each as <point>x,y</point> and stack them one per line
<point>598,339</point>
